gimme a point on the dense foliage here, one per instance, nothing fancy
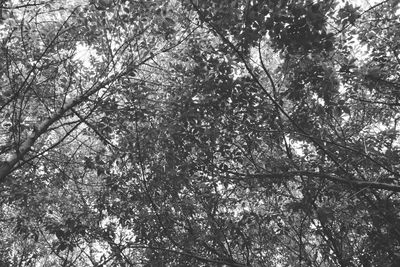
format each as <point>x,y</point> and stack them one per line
<point>199,133</point>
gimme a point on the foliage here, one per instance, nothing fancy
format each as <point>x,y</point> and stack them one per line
<point>199,133</point>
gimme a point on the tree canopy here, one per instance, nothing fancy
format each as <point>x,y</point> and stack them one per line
<point>199,133</point>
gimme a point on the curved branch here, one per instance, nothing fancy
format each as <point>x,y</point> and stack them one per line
<point>275,101</point>
<point>268,94</point>
<point>358,184</point>
<point>190,254</point>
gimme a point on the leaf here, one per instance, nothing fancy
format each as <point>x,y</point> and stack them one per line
<point>346,110</point>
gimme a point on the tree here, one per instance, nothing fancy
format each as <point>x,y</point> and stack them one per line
<point>199,133</point>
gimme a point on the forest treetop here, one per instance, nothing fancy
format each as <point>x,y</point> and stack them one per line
<point>199,133</point>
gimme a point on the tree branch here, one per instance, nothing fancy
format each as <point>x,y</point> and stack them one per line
<point>7,166</point>
<point>331,177</point>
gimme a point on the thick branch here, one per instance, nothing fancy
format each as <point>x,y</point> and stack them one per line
<point>8,166</point>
